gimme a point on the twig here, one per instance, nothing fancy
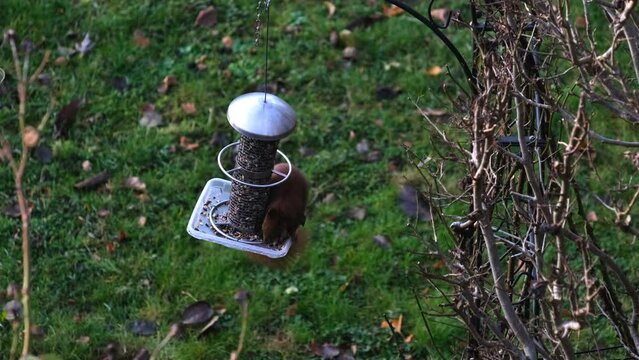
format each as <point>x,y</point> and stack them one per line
<point>235,355</point>
<point>15,328</point>
<point>22,202</point>
<point>43,64</point>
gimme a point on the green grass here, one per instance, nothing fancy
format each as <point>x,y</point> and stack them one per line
<point>159,269</point>
<point>81,289</point>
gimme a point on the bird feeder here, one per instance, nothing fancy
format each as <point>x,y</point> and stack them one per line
<point>230,213</point>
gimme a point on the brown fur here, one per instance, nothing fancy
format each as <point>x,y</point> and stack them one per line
<point>287,202</point>
<point>284,215</point>
<point>299,244</point>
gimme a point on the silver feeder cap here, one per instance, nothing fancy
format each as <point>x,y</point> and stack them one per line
<point>263,118</point>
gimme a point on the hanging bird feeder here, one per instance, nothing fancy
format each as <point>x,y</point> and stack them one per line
<point>230,213</point>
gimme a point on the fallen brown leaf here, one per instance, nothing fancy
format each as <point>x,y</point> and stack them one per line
<point>140,39</point>
<point>167,83</point>
<point>65,117</point>
<point>104,213</point>
<point>396,323</point>
<point>434,71</point>
<point>227,41</point>
<point>352,135</point>
<point>390,11</point>
<point>61,60</point>
<point>187,145</point>
<point>357,213</point>
<point>150,117</point>
<point>291,310</point>
<point>134,183</point>
<point>440,15</point>
<point>86,165</point>
<point>206,17</point>
<point>331,8</point>
<point>349,53</point>
<point>200,63</point>
<point>333,38</point>
<point>93,182</point>
<point>409,338</point>
<point>439,264</point>
<point>110,247</point>
<point>189,108</point>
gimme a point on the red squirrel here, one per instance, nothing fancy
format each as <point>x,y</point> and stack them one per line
<point>284,215</point>
<point>286,205</point>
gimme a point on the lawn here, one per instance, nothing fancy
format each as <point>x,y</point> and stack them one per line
<point>94,273</point>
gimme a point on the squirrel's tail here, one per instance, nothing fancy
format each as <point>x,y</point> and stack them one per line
<point>297,248</point>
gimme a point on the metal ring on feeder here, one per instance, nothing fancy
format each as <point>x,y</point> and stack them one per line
<point>221,232</point>
<point>228,172</point>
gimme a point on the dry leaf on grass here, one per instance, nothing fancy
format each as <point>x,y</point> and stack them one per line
<point>357,213</point>
<point>439,264</point>
<point>104,213</point>
<point>86,165</point>
<point>188,108</point>
<point>434,71</point>
<point>187,145</point>
<point>140,39</point>
<point>134,183</point>
<point>392,10</point>
<point>168,82</point>
<point>93,182</point>
<point>227,41</point>
<point>331,8</point>
<point>396,323</point>
<point>206,17</point>
<point>65,117</point>
<point>440,15</point>
<point>150,117</point>
<point>110,247</point>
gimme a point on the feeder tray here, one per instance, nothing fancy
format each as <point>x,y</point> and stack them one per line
<point>210,213</point>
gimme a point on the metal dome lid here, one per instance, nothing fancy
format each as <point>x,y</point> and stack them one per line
<point>261,116</point>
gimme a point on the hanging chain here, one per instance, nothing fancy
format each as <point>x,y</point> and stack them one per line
<point>261,6</point>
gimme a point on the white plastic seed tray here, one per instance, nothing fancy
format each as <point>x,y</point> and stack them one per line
<point>216,192</point>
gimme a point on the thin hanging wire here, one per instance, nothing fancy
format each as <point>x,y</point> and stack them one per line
<point>261,6</point>
<point>268,20</point>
